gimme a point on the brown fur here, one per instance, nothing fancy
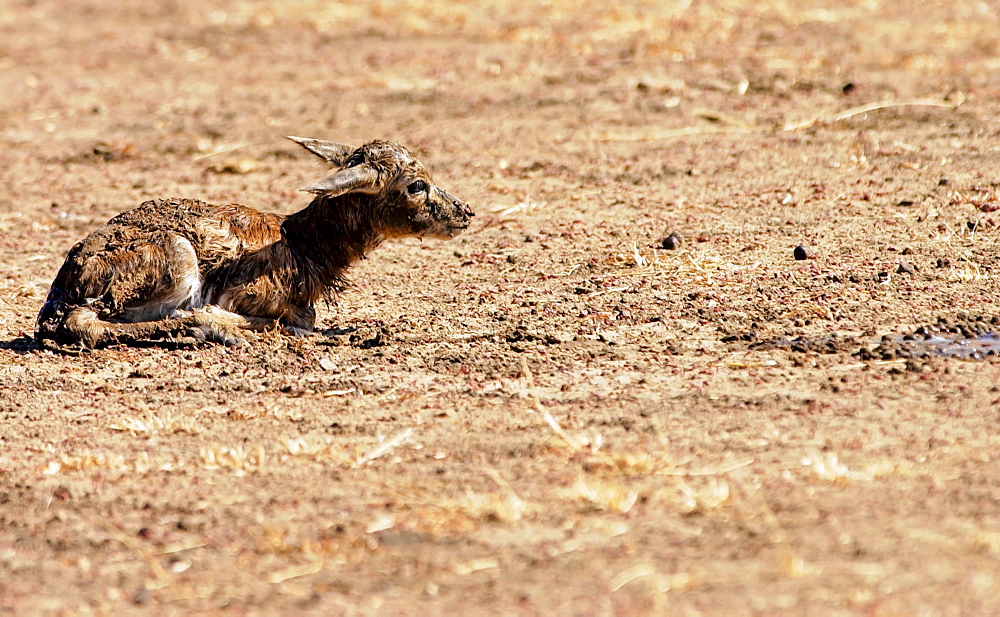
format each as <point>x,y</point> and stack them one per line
<point>182,266</point>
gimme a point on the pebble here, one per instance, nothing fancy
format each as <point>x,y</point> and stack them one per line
<point>141,596</point>
<point>672,241</point>
<point>906,268</point>
<point>558,338</point>
<point>611,338</point>
<point>800,253</point>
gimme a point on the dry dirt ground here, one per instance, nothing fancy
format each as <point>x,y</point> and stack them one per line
<point>552,414</point>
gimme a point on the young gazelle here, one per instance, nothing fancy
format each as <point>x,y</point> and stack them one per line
<point>182,266</point>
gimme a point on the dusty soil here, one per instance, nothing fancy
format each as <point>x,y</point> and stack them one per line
<point>551,414</point>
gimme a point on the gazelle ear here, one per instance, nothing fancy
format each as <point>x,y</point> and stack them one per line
<point>357,179</point>
<point>330,151</point>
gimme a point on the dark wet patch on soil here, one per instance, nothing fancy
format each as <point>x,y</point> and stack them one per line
<point>973,338</point>
<point>964,338</point>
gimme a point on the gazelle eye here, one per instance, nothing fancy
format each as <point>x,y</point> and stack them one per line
<point>417,187</point>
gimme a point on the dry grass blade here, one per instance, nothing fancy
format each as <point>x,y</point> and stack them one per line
<point>554,425</point>
<point>141,463</point>
<point>508,508</point>
<point>605,496</point>
<point>664,135</point>
<point>530,379</point>
<point>241,461</point>
<point>708,471</point>
<point>152,424</point>
<point>385,447</point>
<point>704,267</point>
<point>162,578</point>
<point>863,109</point>
<point>827,466</point>
<point>640,261</point>
<point>330,393</point>
<point>209,149</point>
<point>382,522</point>
<point>468,567</point>
<point>663,583</point>
<point>29,291</point>
<point>518,208</point>
<point>296,571</point>
<point>317,448</point>
<point>179,548</point>
<point>714,494</point>
<point>625,577</point>
<point>739,127</point>
<point>517,506</point>
<point>571,442</point>
<point>504,506</point>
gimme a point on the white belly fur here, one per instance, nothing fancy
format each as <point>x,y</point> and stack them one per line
<point>186,292</point>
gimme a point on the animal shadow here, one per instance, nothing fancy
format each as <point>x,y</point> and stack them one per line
<point>23,344</point>
<point>26,344</point>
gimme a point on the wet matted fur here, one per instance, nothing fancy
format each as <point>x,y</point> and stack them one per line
<point>185,267</point>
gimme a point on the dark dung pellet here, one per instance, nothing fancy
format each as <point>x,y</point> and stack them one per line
<point>671,242</point>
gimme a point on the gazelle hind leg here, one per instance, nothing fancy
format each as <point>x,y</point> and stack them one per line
<point>211,322</point>
<point>84,326</point>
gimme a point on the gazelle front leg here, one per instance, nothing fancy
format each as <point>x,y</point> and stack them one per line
<point>215,323</point>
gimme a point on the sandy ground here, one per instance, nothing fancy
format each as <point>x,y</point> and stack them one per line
<point>551,414</point>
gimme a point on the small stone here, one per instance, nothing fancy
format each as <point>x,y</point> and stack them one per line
<point>558,338</point>
<point>906,268</point>
<point>672,241</point>
<point>141,596</point>
<point>800,253</point>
